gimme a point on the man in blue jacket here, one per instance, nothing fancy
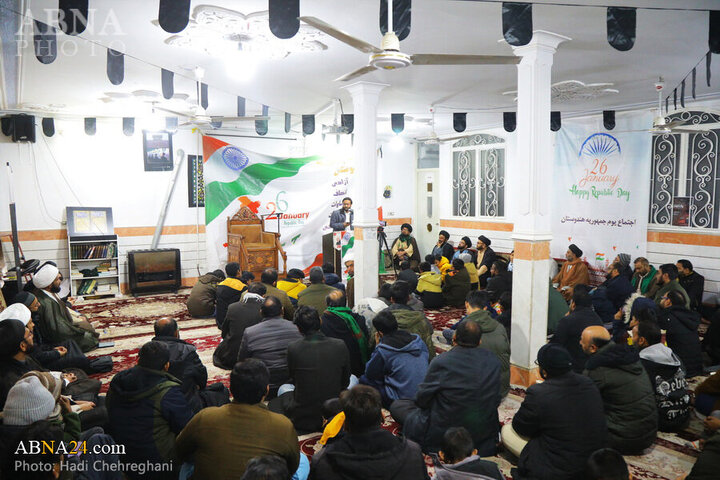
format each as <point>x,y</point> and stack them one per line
<point>399,362</point>
<point>147,410</point>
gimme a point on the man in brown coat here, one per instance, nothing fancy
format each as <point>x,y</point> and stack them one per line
<point>572,273</point>
<point>201,302</point>
<point>315,294</point>
<point>240,430</point>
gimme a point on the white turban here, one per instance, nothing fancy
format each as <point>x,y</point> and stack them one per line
<point>45,276</point>
<point>18,311</point>
<point>349,257</point>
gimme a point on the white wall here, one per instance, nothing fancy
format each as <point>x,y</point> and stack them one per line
<point>104,170</point>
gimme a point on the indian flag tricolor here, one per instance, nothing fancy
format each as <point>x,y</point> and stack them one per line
<point>230,172</point>
<point>600,257</point>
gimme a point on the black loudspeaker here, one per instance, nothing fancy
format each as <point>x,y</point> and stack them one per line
<point>20,127</point>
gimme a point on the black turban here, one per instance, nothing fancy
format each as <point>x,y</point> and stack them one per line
<point>575,250</point>
<point>484,240</point>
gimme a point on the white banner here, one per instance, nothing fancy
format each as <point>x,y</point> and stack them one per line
<point>296,193</point>
<point>601,188</point>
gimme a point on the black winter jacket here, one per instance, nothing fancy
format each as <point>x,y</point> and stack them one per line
<point>376,454</point>
<point>186,366</point>
<point>240,315</point>
<point>569,330</point>
<point>627,395</point>
<point>461,389</point>
<point>667,376</point>
<point>564,419</point>
<point>681,326</point>
<point>147,410</point>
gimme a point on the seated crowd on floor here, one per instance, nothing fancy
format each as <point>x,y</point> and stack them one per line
<point>305,356</point>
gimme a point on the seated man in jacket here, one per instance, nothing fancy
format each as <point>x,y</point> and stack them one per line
<point>366,450</point>
<point>494,335</point>
<point>457,284</point>
<point>571,326</point>
<point>268,342</point>
<point>666,374</point>
<point>667,280</point>
<point>500,280</point>
<point>147,410</point>
<point>186,366</point>
<point>408,275</point>
<point>319,370</point>
<point>410,320</point>
<point>458,459</point>
<point>461,388</point>
<point>399,362</point>
<point>292,285</point>
<point>626,391</point>
<point>559,424</point>
<point>269,278</point>
<point>228,292</point>
<point>331,278</point>
<point>429,287</point>
<point>470,266</point>
<point>201,302</point>
<point>692,282</point>
<point>443,247</point>
<point>681,331</point>
<point>338,321</point>
<point>16,342</point>
<point>222,440</point>
<point>315,295</point>
<point>240,316</point>
<point>644,279</point>
<point>54,318</point>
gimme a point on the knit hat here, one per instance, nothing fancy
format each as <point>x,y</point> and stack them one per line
<point>624,260</point>
<point>45,276</point>
<point>52,384</point>
<point>465,257</point>
<point>26,298</point>
<point>554,359</point>
<point>575,250</point>
<point>406,225</point>
<point>12,332</point>
<point>27,402</point>
<point>295,273</point>
<point>484,240</point>
<point>18,311</point>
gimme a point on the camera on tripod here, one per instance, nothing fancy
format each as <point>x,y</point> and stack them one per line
<point>381,227</point>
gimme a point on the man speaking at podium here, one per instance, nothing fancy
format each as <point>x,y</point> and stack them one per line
<point>342,219</point>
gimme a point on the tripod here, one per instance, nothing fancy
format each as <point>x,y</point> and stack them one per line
<point>382,239</point>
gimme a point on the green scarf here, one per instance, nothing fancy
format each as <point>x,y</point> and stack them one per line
<point>346,314</point>
<point>405,239</point>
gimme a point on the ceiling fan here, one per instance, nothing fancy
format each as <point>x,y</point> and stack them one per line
<point>389,56</point>
<point>196,114</point>
<point>433,138</point>
<point>660,124</point>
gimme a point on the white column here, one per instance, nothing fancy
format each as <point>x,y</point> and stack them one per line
<point>365,97</point>
<point>532,229</point>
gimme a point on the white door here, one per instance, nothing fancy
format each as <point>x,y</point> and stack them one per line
<point>428,223</point>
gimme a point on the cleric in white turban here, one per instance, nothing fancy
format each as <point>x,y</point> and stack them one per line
<point>46,276</point>
<point>18,311</point>
<point>55,320</point>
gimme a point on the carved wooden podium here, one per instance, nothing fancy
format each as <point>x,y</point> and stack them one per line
<point>251,246</point>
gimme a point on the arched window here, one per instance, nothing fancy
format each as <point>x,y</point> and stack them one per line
<point>478,176</point>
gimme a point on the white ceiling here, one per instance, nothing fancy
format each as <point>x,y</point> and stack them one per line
<point>669,43</point>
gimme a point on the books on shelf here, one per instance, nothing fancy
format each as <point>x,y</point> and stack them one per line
<point>83,251</point>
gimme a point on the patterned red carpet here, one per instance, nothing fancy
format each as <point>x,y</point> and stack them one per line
<point>128,322</point>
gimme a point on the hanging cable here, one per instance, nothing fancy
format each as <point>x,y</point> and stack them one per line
<point>57,165</point>
<point>39,188</point>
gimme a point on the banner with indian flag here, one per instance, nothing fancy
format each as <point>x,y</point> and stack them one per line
<point>296,194</point>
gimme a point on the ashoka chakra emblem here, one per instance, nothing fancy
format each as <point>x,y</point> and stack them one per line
<point>234,158</point>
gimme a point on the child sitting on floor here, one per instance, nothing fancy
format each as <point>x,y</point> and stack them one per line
<point>458,459</point>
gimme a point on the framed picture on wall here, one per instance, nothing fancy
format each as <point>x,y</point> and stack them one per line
<point>157,151</point>
<point>681,211</point>
<point>196,185</point>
